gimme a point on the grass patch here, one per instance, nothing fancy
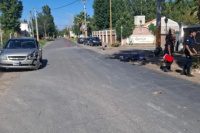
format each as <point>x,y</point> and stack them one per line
<point>74,39</point>
<point>42,42</point>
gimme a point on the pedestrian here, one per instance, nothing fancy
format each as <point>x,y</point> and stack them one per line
<point>169,48</point>
<point>189,52</point>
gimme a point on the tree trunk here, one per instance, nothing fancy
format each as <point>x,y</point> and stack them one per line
<point>199,11</point>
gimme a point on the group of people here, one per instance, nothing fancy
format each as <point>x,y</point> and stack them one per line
<point>189,51</point>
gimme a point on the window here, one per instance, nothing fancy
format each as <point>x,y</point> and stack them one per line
<point>20,44</point>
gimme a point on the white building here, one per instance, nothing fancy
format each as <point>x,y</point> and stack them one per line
<point>25,30</point>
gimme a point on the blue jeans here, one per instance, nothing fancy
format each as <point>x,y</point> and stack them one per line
<point>188,63</point>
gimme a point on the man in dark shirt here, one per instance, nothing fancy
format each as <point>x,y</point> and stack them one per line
<point>189,52</point>
<point>169,48</point>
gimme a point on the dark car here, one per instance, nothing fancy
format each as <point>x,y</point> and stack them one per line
<point>87,41</point>
<point>95,41</point>
<point>81,40</point>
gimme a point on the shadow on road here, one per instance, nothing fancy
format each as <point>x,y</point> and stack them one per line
<point>144,57</point>
<point>44,64</point>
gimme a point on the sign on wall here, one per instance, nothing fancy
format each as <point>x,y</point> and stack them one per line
<point>140,39</point>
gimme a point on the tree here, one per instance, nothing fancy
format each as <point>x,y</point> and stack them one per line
<point>119,7</point>
<point>152,29</point>
<point>191,16</point>
<point>101,14</point>
<point>11,11</point>
<point>199,11</point>
<point>79,20</point>
<point>126,20</point>
<point>46,23</point>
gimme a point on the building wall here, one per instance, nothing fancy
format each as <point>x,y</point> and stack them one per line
<point>24,29</point>
<point>104,35</point>
<point>141,31</point>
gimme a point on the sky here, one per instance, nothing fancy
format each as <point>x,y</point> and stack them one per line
<point>61,18</point>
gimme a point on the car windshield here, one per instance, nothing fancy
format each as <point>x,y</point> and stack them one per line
<point>20,44</point>
<point>96,39</point>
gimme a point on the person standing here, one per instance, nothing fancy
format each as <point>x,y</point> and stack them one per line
<point>189,52</point>
<point>169,48</point>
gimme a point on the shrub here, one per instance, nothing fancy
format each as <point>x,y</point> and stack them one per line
<point>116,44</point>
<point>195,64</point>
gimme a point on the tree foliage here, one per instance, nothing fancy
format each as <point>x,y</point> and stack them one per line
<point>123,17</point>
<point>152,29</point>
<point>46,25</point>
<point>101,14</point>
<point>79,21</point>
<point>126,21</point>
<point>11,11</point>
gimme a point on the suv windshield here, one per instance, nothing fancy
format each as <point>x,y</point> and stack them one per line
<point>96,38</point>
<point>20,44</point>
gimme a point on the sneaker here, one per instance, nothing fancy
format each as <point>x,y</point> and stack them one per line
<point>183,72</point>
<point>190,75</point>
<point>165,70</point>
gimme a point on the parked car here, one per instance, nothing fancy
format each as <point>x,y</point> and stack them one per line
<point>81,40</point>
<point>86,41</point>
<point>95,41</point>
<point>21,53</point>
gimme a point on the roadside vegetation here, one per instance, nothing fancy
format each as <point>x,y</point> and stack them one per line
<point>74,39</point>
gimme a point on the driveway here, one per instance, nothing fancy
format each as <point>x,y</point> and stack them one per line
<point>80,91</point>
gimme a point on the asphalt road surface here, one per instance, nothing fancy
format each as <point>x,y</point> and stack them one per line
<point>79,91</point>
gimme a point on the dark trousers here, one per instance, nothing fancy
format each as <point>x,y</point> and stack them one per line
<point>188,63</point>
<point>168,64</point>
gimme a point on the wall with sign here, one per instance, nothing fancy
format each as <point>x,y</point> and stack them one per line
<point>136,39</point>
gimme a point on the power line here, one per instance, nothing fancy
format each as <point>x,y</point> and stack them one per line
<point>65,5</point>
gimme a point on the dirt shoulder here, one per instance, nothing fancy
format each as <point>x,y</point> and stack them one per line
<point>151,62</point>
<point>8,77</point>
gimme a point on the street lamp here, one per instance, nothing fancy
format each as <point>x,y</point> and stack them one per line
<point>166,20</point>
<point>121,35</point>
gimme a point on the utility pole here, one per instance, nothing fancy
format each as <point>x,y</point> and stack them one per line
<point>85,21</point>
<point>32,30</point>
<point>199,11</point>
<point>141,7</point>
<point>36,23</point>
<point>158,24</point>
<point>111,22</point>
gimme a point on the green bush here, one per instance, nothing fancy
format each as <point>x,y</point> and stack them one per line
<point>196,63</point>
<point>116,44</point>
<point>50,39</point>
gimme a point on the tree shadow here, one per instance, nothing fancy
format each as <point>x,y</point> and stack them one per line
<point>147,57</point>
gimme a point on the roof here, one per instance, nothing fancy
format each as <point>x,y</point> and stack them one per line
<point>23,38</point>
<point>152,21</point>
<point>147,23</point>
<point>170,22</point>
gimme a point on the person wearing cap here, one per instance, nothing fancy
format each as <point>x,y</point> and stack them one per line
<point>189,52</point>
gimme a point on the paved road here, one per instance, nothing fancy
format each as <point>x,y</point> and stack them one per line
<point>80,91</point>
